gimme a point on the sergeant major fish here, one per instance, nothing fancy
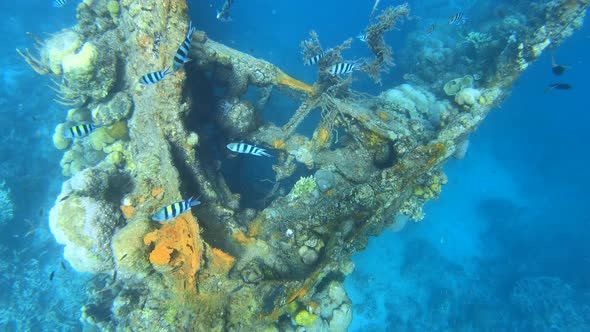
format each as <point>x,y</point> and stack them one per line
<point>431,28</point>
<point>59,3</point>
<point>181,56</point>
<point>457,19</point>
<point>81,130</point>
<point>246,148</point>
<point>223,14</point>
<point>154,77</point>
<point>314,59</point>
<point>174,210</point>
<point>342,68</point>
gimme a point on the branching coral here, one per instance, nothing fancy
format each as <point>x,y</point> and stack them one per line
<point>312,47</point>
<point>35,63</point>
<point>383,53</point>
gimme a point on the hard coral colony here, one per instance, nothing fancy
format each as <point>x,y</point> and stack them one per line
<point>374,157</point>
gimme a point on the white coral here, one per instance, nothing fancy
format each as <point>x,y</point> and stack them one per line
<point>85,226</point>
<point>467,96</point>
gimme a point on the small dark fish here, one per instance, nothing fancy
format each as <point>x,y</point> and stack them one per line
<point>181,56</point>
<point>154,77</point>
<point>558,70</point>
<point>314,59</point>
<point>457,19</point>
<point>236,289</point>
<point>223,14</point>
<point>342,68</point>
<point>177,267</point>
<point>41,212</point>
<point>114,275</point>
<point>431,28</point>
<point>123,257</point>
<point>558,86</point>
<point>157,43</point>
<point>59,3</point>
<point>64,198</point>
<point>63,265</point>
<point>81,130</point>
<point>51,275</point>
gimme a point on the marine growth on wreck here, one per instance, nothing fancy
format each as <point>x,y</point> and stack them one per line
<point>275,262</point>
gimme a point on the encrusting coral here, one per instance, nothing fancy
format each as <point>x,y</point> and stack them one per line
<point>177,249</point>
<point>85,226</point>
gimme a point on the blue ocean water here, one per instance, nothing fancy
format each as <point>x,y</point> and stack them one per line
<point>505,247</point>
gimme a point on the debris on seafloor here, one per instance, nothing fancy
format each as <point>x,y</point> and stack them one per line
<point>369,160</point>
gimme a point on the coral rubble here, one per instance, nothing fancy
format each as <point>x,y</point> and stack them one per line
<point>372,161</point>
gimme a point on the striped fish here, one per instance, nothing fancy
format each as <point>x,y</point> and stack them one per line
<point>223,14</point>
<point>314,59</point>
<point>342,68</point>
<point>154,77</point>
<point>246,148</point>
<point>174,210</point>
<point>362,37</point>
<point>457,19</point>
<point>59,3</point>
<point>80,130</point>
<point>181,56</point>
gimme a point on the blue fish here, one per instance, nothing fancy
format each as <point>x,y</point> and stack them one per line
<point>246,148</point>
<point>174,210</point>
<point>81,130</point>
<point>181,56</point>
<point>154,77</point>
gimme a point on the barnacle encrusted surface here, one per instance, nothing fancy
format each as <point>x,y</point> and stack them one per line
<point>279,265</point>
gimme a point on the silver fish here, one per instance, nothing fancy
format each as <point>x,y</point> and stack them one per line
<point>374,7</point>
<point>457,19</point>
<point>154,77</point>
<point>246,148</point>
<point>223,14</point>
<point>181,56</point>
<point>174,210</point>
<point>342,68</point>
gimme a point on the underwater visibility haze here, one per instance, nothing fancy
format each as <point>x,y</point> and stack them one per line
<point>379,165</point>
